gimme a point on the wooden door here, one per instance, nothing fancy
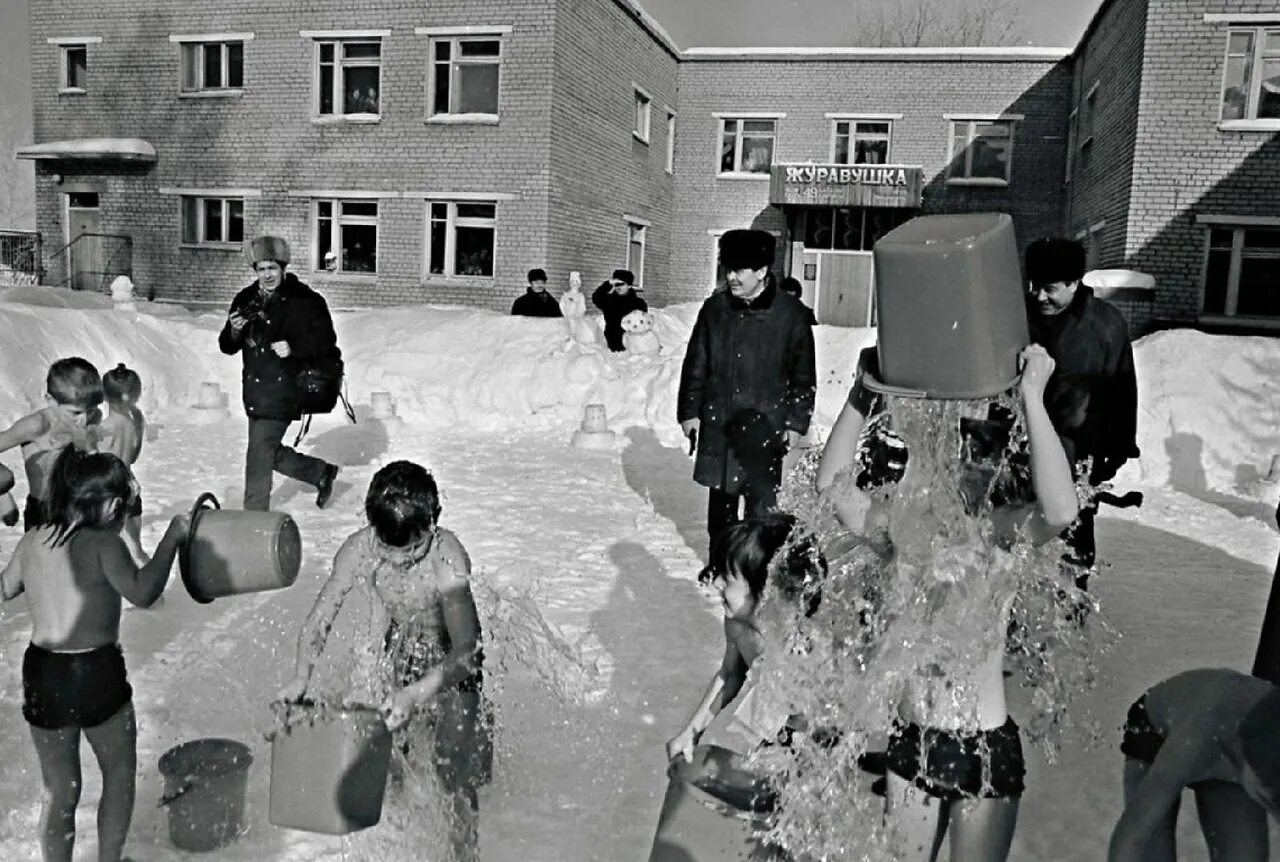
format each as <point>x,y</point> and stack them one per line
<point>84,252</point>
<point>844,289</point>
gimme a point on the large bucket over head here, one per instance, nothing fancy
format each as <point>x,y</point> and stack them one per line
<point>329,769</point>
<point>713,810</point>
<point>230,552</point>
<point>204,791</point>
<point>952,315</point>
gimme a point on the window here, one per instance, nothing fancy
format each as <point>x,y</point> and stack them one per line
<point>981,150</point>
<point>861,142</point>
<point>465,73</point>
<point>746,146</point>
<point>1088,110</point>
<point>641,126</point>
<point>1241,273</point>
<point>212,66</point>
<point>212,221</point>
<point>1251,75</point>
<point>636,234</point>
<point>348,77</point>
<point>460,238</point>
<point>1072,125</point>
<point>671,142</point>
<point>75,67</point>
<point>851,228</point>
<point>346,235</point>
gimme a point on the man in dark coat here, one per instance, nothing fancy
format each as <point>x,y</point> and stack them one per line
<point>536,302</point>
<point>616,298</point>
<point>1093,394</point>
<point>750,367</point>
<point>276,323</point>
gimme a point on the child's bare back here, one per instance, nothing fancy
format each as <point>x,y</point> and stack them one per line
<point>121,433</point>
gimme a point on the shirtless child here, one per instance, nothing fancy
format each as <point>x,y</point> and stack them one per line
<point>70,418</point>
<point>121,431</point>
<point>1212,730</point>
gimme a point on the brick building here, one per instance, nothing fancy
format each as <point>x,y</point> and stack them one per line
<point>434,153</point>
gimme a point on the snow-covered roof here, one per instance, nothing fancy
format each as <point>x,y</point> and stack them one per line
<point>94,149</point>
<point>1114,279</point>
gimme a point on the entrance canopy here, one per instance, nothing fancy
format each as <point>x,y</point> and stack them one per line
<point>91,149</point>
<point>808,184</point>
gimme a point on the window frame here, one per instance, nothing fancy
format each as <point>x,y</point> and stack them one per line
<point>741,118</point>
<point>201,45</point>
<point>455,36</point>
<point>671,141</point>
<point>339,38</point>
<point>853,120</point>
<point>642,122</point>
<point>973,121</point>
<point>339,220</point>
<point>637,227</point>
<point>201,241</point>
<point>1231,298</point>
<point>1258,32</point>
<point>452,220</point>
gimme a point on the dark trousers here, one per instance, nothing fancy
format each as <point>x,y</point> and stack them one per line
<point>266,453</point>
<point>1082,546</point>
<point>722,508</point>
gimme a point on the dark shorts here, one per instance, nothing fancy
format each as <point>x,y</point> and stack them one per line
<point>1141,740</point>
<point>32,515</point>
<point>412,660</point>
<point>73,689</point>
<point>948,765</point>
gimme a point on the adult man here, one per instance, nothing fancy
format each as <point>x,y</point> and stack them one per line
<point>1093,394</point>
<point>536,302</point>
<point>748,379</point>
<point>275,324</point>
<point>616,298</point>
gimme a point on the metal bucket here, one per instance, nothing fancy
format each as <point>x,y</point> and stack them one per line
<point>329,769</point>
<point>952,314</point>
<point>204,792</point>
<point>229,552</point>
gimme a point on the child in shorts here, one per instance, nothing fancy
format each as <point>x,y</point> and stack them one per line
<point>121,431</point>
<point>74,569</point>
<point>1212,730</point>
<point>74,391</point>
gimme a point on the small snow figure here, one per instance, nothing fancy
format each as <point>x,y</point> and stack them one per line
<point>638,335</point>
<point>573,305</point>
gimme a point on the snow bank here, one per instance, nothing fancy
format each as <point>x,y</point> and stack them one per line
<point>1209,420</point>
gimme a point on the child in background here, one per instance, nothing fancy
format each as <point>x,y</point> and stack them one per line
<point>74,393</point>
<point>122,430</point>
<point>74,570</point>
<point>8,508</point>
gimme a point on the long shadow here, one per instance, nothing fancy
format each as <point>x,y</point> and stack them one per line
<point>1187,474</point>
<point>664,477</point>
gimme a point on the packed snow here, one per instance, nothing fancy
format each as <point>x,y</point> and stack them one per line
<point>608,543</point>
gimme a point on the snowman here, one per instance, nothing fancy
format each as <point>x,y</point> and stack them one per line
<point>573,305</point>
<point>638,335</point>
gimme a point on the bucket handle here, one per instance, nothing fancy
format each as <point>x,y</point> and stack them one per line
<point>184,553</point>
<point>175,795</point>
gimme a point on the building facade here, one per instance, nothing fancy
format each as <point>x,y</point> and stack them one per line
<point>433,154</point>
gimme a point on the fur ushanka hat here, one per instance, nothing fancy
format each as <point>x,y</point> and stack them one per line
<point>746,249</point>
<point>268,248</point>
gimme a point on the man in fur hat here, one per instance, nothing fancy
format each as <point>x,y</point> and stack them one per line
<point>616,298</point>
<point>750,355</point>
<point>274,324</point>
<point>1093,394</point>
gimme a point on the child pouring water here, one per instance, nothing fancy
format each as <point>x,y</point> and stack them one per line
<point>74,570</point>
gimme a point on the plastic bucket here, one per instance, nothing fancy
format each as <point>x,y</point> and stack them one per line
<point>952,315</point>
<point>329,769</point>
<point>234,552</point>
<point>712,810</point>
<point>204,791</point>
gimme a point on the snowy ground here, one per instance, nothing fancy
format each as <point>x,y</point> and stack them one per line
<point>614,539</point>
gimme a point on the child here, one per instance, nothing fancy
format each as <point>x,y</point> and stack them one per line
<point>122,430</point>
<point>1213,730</point>
<point>74,570</point>
<point>431,656</point>
<point>74,393</point>
<point>8,508</point>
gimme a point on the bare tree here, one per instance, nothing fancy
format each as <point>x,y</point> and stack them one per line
<point>939,23</point>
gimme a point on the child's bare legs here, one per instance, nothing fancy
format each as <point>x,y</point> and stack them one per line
<point>1163,846</point>
<point>1235,827</point>
<point>458,729</point>
<point>115,745</point>
<point>916,821</point>
<point>982,829</point>
<point>59,754</point>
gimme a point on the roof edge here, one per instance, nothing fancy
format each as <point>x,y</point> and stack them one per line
<point>974,54</point>
<point>649,23</point>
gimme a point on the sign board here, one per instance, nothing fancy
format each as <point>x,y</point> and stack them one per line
<point>846,185</point>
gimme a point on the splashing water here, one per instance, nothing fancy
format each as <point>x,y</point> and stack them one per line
<point>915,624</point>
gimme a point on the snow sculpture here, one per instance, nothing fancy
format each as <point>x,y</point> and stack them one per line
<point>638,335</point>
<point>594,432</point>
<point>573,305</point>
<point>122,293</point>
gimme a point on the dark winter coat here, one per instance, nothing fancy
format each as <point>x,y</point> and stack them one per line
<point>1092,396</point>
<point>536,304</point>
<point>745,356</point>
<point>614,307</point>
<point>294,313</point>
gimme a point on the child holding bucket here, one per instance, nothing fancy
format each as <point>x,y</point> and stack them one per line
<point>430,653</point>
<point>74,570</point>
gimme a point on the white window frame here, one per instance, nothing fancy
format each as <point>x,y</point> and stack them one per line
<point>973,121</point>
<point>64,78</point>
<point>202,241</point>
<point>1265,25</point>
<point>853,120</point>
<point>637,228</point>
<point>339,220</point>
<point>1237,226</point>
<point>739,117</point>
<point>643,114</point>
<point>337,38</point>
<point>202,42</point>
<point>455,36</point>
<point>671,141</point>
<point>452,223</point>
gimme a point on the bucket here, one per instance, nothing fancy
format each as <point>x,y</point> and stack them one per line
<point>952,315</point>
<point>204,790</point>
<point>233,552</point>
<point>712,810</point>
<point>329,769</point>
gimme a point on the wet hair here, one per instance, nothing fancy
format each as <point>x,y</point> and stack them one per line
<point>74,382</point>
<point>1258,743</point>
<point>402,504</point>
<point>537,275</point>
<point>122,384</point>
<point>79,483</point>
<point>792,286</point>
<point>747,548</point>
